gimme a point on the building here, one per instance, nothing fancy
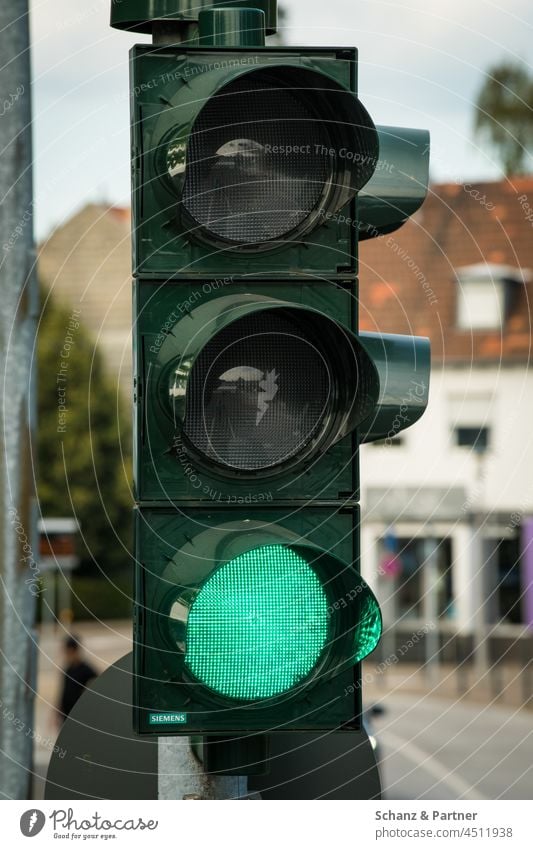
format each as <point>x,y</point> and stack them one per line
<point>448,504</point>
<point>86,264</point>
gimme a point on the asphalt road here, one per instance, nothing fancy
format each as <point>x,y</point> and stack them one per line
<point>433,748</point>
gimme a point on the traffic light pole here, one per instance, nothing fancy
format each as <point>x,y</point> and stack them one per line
<point>182,776</point>
<point>170,32</point>
<point>18,311</point>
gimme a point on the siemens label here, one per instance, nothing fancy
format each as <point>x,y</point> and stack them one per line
<point>167,718</point>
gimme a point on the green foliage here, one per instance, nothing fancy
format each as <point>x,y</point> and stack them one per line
<point>84,441</point>
<point>100,599</point>
<point>504,115</point>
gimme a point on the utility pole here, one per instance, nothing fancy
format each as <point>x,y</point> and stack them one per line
<point>431,611</point>
<point>18,311</point>
<point>479,574</point>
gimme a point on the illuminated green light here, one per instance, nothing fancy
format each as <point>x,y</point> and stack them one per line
<point>258,625</point>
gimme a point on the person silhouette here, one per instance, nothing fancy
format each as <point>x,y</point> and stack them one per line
<point>75,677</point>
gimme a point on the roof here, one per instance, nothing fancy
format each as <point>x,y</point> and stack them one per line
<point>409,279</point>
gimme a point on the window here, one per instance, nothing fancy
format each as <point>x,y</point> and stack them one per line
<point>472,437</point>
<point>470,419</point>
<point>508,581</point>
<point>409,561</point>
<point>485,295</point>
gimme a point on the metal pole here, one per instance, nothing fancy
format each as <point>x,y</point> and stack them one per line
<point>173,32</point>
<point>479,580</point>
<point>431,613</point>
<point>181,775</point>
<point>18,310</point>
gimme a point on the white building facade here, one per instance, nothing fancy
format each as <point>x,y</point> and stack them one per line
<point>451,499</point>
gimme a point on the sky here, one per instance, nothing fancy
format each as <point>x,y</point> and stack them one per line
<point>422,63</point>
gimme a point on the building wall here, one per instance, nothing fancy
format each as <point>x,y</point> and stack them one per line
<point>429,488</point>
<point>502,479</point>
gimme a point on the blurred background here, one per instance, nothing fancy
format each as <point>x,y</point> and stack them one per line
<point>447,537</point>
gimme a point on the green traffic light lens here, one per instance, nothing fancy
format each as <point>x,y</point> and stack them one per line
<point>258,625</point>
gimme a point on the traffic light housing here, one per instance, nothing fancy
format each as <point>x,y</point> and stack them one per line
<point>256,171</point>
<point>248,621</point>
<point>235,165</point>
<point>252,393</point>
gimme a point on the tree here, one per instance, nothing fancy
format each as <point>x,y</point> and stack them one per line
<point>84,441</point>
<point>504,115</point>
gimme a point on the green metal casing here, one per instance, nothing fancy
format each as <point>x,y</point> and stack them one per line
<point>170,85</point>
<point>189,510</point>
<point>168,82</point>
<point>162,472</point>
<point>173,323</point>
<point>140,15</point>
<point>399,184</point>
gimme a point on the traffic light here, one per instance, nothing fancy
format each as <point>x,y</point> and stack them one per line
<point>235,164</point>
<point>256,171</point>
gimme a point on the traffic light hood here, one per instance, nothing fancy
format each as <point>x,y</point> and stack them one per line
<point>399,183</point>
<point>253,382</point>
<point>218,373</point>
<point>403,365</point>
<point>250,158</point>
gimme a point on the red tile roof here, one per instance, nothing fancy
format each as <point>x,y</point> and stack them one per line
<point>408,278</point>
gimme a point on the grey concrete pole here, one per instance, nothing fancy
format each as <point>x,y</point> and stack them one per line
<point>18,310</point>
<point>181,776</point>
<point>479,578</point>
<point>431,613</point>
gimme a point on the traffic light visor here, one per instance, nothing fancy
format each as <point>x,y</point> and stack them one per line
<point>267,155</point>
<point>252,383</point>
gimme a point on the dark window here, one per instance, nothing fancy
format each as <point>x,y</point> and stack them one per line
<point>408,587</point>
<point>508,577</point>
<point>473,437</point>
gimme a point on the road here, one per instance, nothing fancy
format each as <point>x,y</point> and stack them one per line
<point>104,643</point>
<point>433,748</point>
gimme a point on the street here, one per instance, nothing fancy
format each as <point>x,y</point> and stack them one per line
<point>442,749</point>
<point>431,747</point>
